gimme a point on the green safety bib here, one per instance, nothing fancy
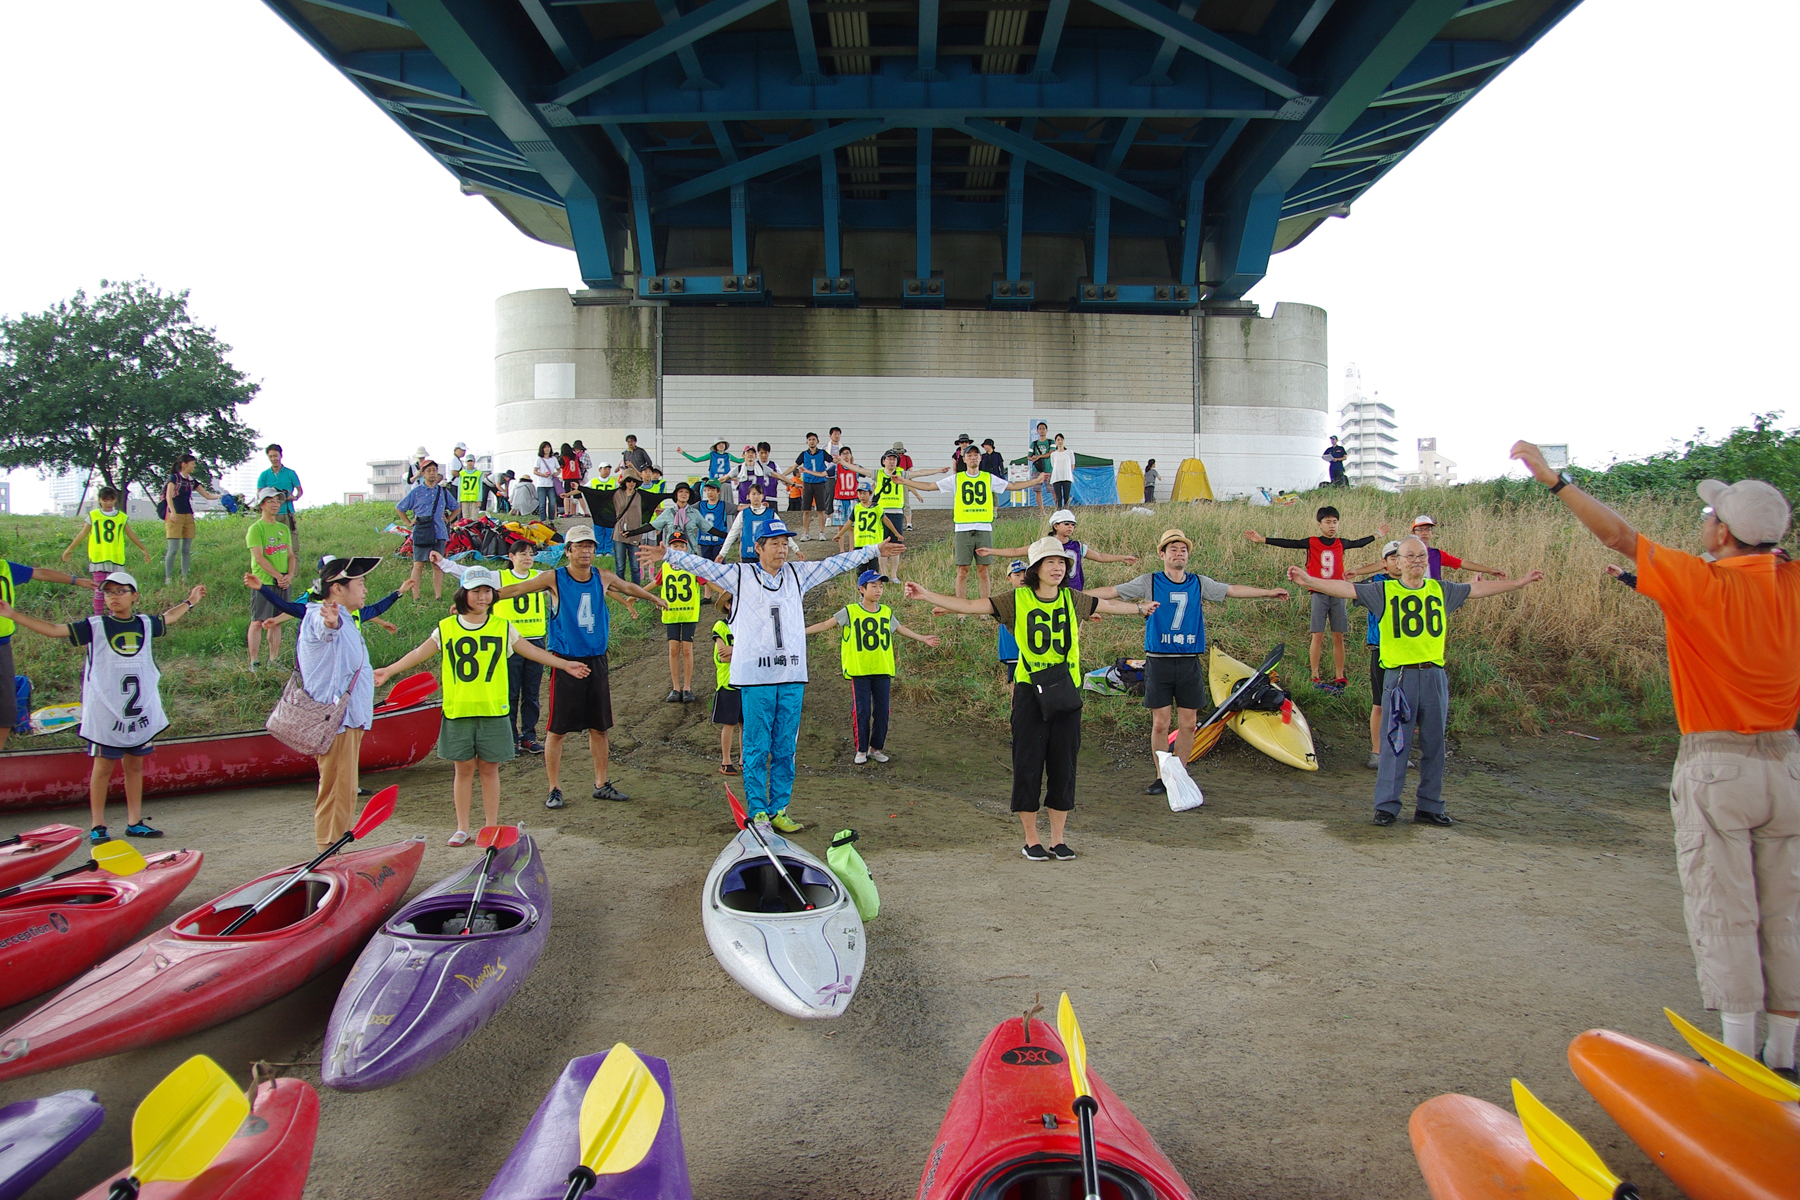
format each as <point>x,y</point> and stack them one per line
<point>525,613</point>
<point>106,536</point>
<point>474,667</point>
<point>7,593</point>
<point>867,526</point>
<point>1048,633</point>
<point>468,487</point>
<point>890,493</point>
<point>1412,624</point>
<point>974,497</point>
<point>680,590</point>
<point>868,641</point>
<point>721,668</point>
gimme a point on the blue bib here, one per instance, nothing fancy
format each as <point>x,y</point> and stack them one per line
<point>754,527</point>
<point>1176,627</point>
<point>718,466</point>
<point>712,516</point>
<point>1008,646</point>
<point>814,460</point>
<point>580,622</point>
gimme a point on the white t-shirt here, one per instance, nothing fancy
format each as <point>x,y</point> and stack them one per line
<point>1062,466</point>
<point>546,473</point>
<point>999,485</point>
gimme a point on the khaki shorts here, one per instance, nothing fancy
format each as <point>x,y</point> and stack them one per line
<point>178,525</point>
<point>967,541</point>
<point>488,738</point>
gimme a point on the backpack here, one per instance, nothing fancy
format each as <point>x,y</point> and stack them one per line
<point>853,873</point>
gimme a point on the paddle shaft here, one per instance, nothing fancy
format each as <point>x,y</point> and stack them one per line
<point>580,1180</point>
<point>1224,709</point>
<point>289,882</point>
<point>124,1189</point>
<point>779,868</point>
<point>14,840</point>
<point>487,863</point>
<point>89,865</point>
<point>1085,1108</point>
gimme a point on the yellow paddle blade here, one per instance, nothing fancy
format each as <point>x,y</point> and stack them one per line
<point>1564,1151</point>
<point>620,1114</point>
<point>1741,1069</point>
<point>185,1121</point>
<point>1073,1043</point>
<point>117,858</point>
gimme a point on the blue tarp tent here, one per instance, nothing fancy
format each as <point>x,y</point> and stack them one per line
<point>1094,485</point>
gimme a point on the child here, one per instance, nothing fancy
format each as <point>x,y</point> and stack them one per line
<point>475,734</point>
<point>753,520</point>
<point>121,705</point>
<point>864,528</point>
<point>680,591</point>
<point>866,650</point>
<point>843,486</point>
<point>296,609</point>
<point>105,531</point>
<point>728,704</point>
<point>1424,528</point>
<point>1390,569</point>
<point>1325,559</point>
<point>713,521</point>
<point>718,463</point>
<point>1006,647</point>
<point>271,560</point>
<point>1062,527</point>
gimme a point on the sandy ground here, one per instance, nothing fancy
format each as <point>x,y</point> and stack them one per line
<point>1270,982</point>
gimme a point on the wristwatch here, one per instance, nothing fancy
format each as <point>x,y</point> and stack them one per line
<point>1562,481</point>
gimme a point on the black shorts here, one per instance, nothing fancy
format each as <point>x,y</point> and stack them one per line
<point>1375,675</point>
<point>816,496</point>
<point>728,707</point>
<point>577,704</point>
<point>894,519</point>
<point>680,631</point>
<point>1173,681</point>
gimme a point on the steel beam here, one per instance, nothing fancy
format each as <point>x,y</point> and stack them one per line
<point>1062,164</point>
<point>696,80</point>
<point>1122,145</point>
<point>769,160</point>
<point>1287,28</point>
<point>805,46</point>
<point>922,204</point>
<point>1213,47</point>
<point>1043,65</point>
<point>1158,74</point>
<point>1102,234</point>
<point>563,32</point>
<point>926,71</point>
<point>828,177</point>
<point>1190,230</point>
<point>740,235</point>
<point>640,198</point>
<point>687,30</point>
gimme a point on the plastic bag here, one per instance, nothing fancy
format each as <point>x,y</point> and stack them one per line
<point>1184,793</point>
<point>22,692</point>
<point>853,873</point>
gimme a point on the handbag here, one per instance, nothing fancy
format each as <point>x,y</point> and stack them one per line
<point>304,724</point>
<point>1057,693</point>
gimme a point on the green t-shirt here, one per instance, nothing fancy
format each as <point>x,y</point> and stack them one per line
<point>272,539</point>
<point>1045,446</point>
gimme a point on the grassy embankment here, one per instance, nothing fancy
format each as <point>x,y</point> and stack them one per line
<point>1577,648</point>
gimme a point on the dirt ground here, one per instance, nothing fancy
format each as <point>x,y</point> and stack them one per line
<point>1270,982</point>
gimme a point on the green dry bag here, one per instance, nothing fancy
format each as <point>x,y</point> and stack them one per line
<point>853,873</point>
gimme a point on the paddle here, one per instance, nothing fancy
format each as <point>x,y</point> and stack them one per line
<point>379,808</point>
<point>494,838</point>
<point>1741,1069</point>
<point>115,858</point>
<point>411,690</point>
<point>737,812</point>
<point>1566,1153</point>
<point>620,1116</point>
<point>1224,710</point>
<point>182,1125</point>
<point>14,840</point>
<point>1085,1105</point>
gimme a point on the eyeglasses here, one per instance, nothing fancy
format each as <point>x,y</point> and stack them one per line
<point>1707,513</point>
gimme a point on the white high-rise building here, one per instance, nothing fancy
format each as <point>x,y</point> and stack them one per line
<point>1366,430</point>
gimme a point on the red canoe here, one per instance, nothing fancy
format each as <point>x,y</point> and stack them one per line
<point>400,737</point>
<point>186,977</point>
<point>1714,1137</point>
<point>267,1160</point>
<point>37,851</point>
<point>53,932</point>
<point>1011,1129</point>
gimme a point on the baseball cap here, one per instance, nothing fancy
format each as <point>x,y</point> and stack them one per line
<point>1391,548</point>
<point>871,576</point>
<point>122,579</point>
<point>1423,519</point>
<point>580,533</point>
<point>775,529</point>
<point>1173,535</point>
<point>1756,512</point>
<point>1061,515</point>
<point>476,577</point>
<point>678,538</point>
<point>1046,547</point>
<point>862,485</point>
<point>460,446</point>
<point>1018,564</point>
<point>267,494</point>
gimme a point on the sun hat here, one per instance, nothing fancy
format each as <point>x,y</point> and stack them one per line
<point>774,529</point>
<point>901,448</point>
<point>476,577</point>
<point>717,442</point>
<point>964,439</point>
<point>333,568</point>
<point>421,452</point>
<point>1046,547</point>
<point>1392,547</point>
<point>871,576</point>
<point>1173,535</point>
<point>580,533</point>
<point>1018,564</point>
<point>1061,515</point>
<point>1755,512</point>
<point>1423,519</point>
<point>122,579</point>
<point>267,493</point>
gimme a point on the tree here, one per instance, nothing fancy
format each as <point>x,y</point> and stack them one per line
<point>1760,450</point>
<point>122,383</point>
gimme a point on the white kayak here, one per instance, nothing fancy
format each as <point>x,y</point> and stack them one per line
<point>805,963</point>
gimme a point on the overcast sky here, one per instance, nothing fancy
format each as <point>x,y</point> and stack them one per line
<point>1595,250</point>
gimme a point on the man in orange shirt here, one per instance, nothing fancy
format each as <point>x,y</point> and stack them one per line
<point>1733,627</point>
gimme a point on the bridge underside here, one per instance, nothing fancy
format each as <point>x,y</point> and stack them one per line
<point>1124,155</point>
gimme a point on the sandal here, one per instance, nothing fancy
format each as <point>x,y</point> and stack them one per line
<point>460,838</point>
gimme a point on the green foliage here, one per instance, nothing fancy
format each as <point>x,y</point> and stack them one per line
<point>1760,450</point>
<point>122,383</point>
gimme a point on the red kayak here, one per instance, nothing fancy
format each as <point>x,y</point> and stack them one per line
<point>1011,1129</point>
<point>186,977</point>
<point>36,852</point>
<point>53,932</point>
<point>267,1160</point>
<point>400,737</point>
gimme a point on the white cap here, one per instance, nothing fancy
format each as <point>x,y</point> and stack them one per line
<point>1061,515</point>
<point>576,533</point>
<point>1423,519</point>
<point>1390,548</point>
<point>1755,512</point>
<point>121,578</point>
<point>475,577</point>
<point>263,494</point>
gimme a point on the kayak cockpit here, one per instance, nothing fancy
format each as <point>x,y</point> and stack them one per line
<point>1058,1177</point>
<point>295,906</point>
<point>444,919</point>
<point>754,886</point>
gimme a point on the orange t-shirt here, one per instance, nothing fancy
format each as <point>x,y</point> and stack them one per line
<point>1734,637</point>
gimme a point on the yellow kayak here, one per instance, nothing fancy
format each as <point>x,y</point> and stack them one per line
<point>1288,741</point>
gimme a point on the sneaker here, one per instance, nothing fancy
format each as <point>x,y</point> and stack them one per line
<point>530,746</point>
<point>1319,685</point>
<point>909,525</point>
<point>1036,853</point>
<point>142,829</point>
<point>554,799</point>
<point>98,834</point>
<point>785,823</point>
<point>1157,788</point>
<point>1374,763</point>
<point>1340,684</point>
<point>878,756</point>
<point>687,697</point>
<point>606,791</point>
<point>1385,818</point>
<point>1061,852</point>
<point>460,838</point>
<point>861,757</point>
<point>728,769</point>
<point>1432,818</point>
<point>674,697</point>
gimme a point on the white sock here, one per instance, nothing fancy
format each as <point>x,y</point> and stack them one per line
<point>1739,1031</point>
<point>1778,1051</point>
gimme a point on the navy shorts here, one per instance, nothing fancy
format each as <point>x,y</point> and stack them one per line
<point>115,753</point>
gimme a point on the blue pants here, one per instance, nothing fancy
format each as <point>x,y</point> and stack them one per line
<point>524,679</point>
<point>869,710</point>
<point>1427,690</point>
<point>771,735</point>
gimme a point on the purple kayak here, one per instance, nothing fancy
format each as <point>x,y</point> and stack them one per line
<point>421,987</point>
<point>35,1135</point>
<point>538,1168</point>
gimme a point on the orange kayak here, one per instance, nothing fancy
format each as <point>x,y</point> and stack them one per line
<point>1469,1149</point>
<point>1716,1139</point>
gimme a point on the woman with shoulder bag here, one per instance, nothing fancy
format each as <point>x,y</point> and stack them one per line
<point>425,506</point>
<point>332,694</point>
<point>1045,618</point>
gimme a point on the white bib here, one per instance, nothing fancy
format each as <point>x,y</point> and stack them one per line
<point>121,704</point>
<point>768,629</point>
